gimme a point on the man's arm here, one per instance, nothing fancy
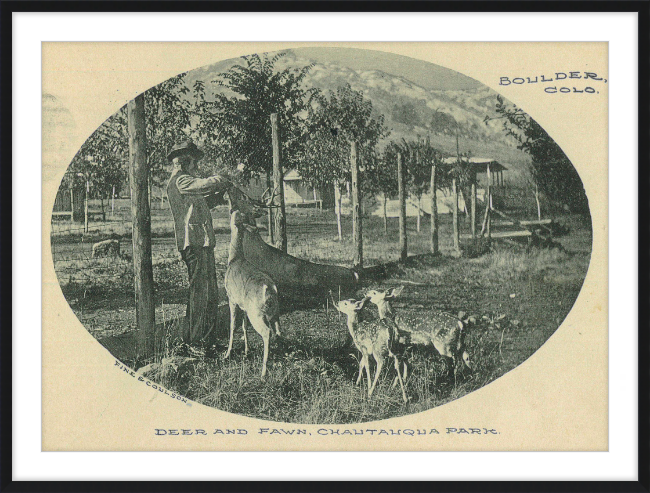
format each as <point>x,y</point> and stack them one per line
<point>190,185</point>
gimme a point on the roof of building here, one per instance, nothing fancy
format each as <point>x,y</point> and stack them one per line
<point>292,175</point>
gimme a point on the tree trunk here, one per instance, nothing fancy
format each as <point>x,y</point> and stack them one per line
<point>402,208</point>
<point>86,206</point>
<point>269,211</point>
<point>454,193</point>
<point>101,202</point>
<point>385,215</point>
<point>141,219</point>
<point>113,202</point>
<point>337,206</point>
<point>434,212</point>
<point>539,209</point>
<point>278,177</point>
<point>419,212</point>
<point>357,222</point>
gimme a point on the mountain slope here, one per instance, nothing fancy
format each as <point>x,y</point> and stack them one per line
<point>410,110</point>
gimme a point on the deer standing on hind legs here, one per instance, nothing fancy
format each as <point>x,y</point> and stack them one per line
<point>371,338</point>
<point>441,330</point>
<point>249,290</point>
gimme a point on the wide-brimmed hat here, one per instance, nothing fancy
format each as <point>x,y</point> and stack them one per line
<point>185,147</point>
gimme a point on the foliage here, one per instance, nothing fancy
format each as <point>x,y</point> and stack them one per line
<point>380,174</point>
<point>406,113</point>
<point>442,122</point>
<point>103,158</point>
<point>99,162</point>
<point>167,116</point>
<point>418,156</point>
<point>551,169</point>
<point>236,128</point>
<point>345,117</point>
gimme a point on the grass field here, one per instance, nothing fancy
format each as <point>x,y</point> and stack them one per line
<point>518,298</point>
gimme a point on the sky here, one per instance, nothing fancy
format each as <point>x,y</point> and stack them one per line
<point>424,74</point>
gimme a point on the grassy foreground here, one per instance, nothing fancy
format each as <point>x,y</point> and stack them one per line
<point>518,299</point>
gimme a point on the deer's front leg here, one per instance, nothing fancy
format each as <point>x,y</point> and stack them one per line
<point>234,310</point>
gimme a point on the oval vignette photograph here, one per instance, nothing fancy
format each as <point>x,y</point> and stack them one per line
<point>319,235</point>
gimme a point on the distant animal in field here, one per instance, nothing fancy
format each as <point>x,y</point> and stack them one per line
<point>443,331</point>
<point>106,248</point>
<point>371,338</point>
<point>251,292</point>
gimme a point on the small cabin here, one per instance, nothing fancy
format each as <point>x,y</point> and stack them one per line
<point>297,193</point>
<point>492,169</point>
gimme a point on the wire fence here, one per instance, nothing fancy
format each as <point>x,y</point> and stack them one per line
<point>312,235</point>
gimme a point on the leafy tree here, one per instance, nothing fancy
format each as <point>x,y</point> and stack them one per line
<point>380,177</point>
<point>551,171</point>
<point>168,118</point>
<point>235,127</point>
<point>406,113</point>
<point>442,122</point>
<point>98,165</point>
<point>419,171</point>
<point>336,121</point>
<point>418,158</point>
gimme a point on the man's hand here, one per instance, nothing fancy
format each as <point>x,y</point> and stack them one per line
<point>232,177</point>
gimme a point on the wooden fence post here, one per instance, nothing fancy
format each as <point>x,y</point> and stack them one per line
<point>86,205</point>
<point>141,218</point>
<point>434,211</point>
<point>488,202</point>
<point>454,193</point>
<point>385,215</point>
<point>269,215</point>
<point>356,208</point>
<point>402,208</point>
<point>473,212</point>
<point>72,203</point>
<point>338,197</point>
<point>278,177</point>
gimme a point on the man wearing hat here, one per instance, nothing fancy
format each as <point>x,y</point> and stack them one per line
<point>189,198</point>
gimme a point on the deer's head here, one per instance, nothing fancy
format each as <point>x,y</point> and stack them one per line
<point>249,209</point>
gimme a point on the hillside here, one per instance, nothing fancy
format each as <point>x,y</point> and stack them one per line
<point>410,109</point>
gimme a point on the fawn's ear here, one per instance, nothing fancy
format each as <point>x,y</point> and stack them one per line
<point>395,292</point>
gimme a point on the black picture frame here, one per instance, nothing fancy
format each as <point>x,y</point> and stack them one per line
<point>642,7</point>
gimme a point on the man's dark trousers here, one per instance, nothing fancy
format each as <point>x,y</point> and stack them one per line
<point>203,303</point>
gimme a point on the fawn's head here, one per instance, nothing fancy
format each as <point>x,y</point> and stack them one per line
<point>350,307</point>
<point>377,297</point>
